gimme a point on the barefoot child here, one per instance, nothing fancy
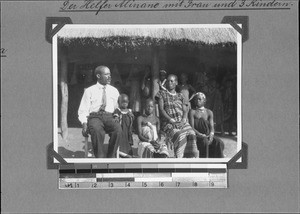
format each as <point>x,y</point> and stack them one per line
<point>148,124</point>
<point>201,120</point>
<point>125,117</point>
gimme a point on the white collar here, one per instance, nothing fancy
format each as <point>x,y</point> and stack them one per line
<point>101,86</point>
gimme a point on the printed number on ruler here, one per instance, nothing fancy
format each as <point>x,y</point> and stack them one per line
<point>72,185</point>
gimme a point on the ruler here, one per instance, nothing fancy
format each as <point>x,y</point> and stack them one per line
<point>116,176</point>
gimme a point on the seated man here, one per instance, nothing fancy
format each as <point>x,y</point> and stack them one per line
<point>96,114</point>
<point>148,125</point>
<point>174,120</point>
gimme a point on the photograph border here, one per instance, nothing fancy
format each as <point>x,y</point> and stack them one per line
<point>141,160</point>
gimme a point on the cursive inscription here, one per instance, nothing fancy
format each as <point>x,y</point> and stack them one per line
<point>129,4</point>
<point>196,4</point>
<point>87,5</point>
<point>98,6</point>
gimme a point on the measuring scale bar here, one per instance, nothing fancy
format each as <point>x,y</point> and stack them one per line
<point>149,180</point>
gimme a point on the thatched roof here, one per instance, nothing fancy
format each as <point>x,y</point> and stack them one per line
<point>111,37</point>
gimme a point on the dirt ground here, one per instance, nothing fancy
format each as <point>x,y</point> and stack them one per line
<point>75,145</point>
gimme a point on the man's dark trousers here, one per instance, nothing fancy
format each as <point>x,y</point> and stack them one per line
<point>99,124</point>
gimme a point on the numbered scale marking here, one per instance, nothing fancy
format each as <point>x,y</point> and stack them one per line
<point>143,180</point>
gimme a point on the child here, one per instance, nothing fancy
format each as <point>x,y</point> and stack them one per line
<point>148,124</point>
<point>125,117</point>
<point>201,120</point>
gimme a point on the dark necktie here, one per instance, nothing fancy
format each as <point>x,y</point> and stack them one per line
<point>102,108</point>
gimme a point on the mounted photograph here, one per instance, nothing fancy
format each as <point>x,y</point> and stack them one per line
<point>147,93</point>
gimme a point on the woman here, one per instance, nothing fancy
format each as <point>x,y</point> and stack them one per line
<point>174,120</point>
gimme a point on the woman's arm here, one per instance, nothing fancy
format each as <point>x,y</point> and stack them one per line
<point>185,110</point>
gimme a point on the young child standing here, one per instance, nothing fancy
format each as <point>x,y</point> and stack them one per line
<point>148,125</point>
<point>201,120</point>
<point>125,117</point>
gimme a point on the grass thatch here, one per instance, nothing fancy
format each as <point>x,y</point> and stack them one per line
<point>135,37</point>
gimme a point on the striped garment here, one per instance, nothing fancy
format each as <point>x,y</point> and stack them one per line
<point>183,137</point>
<point>146,149</point>
<point>184,141</point>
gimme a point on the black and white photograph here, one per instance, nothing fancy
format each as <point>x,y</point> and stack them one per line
<point>147,93</point>
<point>149,106</point>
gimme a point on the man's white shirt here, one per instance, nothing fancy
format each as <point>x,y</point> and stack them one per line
<point>92,100</point>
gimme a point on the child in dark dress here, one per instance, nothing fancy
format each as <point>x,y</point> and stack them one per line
<point>201,120</point>
<point>125,117</point>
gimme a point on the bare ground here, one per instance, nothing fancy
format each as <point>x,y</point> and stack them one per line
<point>74,146</point>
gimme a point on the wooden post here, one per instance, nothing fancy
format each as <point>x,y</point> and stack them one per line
<point>155,74</point>
<point>63,82</point>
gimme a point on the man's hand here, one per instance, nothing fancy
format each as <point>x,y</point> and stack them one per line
<point>116,119</point>
<point>84,130</point>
